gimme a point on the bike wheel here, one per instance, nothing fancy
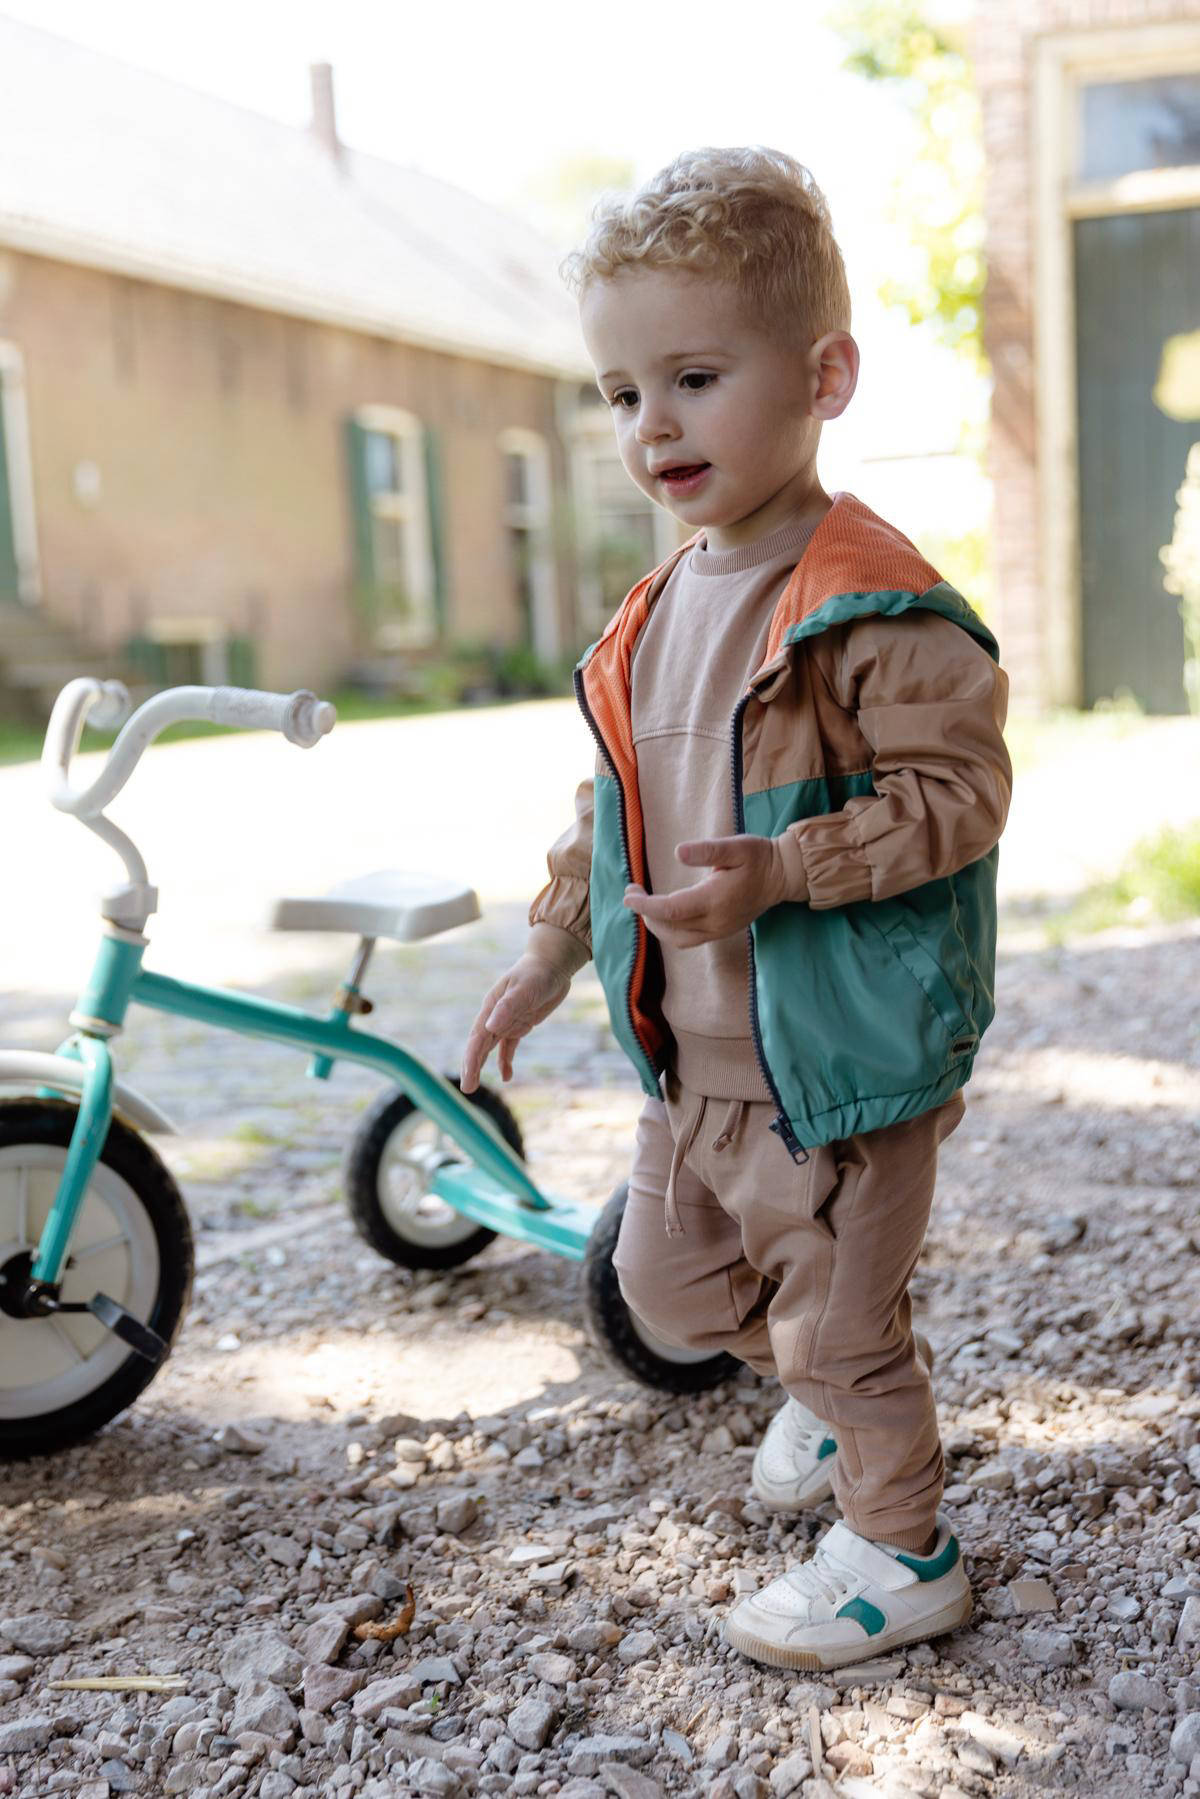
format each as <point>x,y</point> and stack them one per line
<point>621,1335</point>
<point>64,1376</point>
<point>388,1176</point>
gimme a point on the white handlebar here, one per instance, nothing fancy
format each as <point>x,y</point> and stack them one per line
<point>302,718</point>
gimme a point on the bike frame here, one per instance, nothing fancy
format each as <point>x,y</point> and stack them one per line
<point>494,1189</point>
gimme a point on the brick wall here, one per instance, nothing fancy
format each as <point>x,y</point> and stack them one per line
<point>218,431</point>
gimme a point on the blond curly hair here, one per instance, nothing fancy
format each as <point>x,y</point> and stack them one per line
<point>753,217</point>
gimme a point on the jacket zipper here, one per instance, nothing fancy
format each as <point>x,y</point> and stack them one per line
<point>780,1124</point>
<point>603,748</point>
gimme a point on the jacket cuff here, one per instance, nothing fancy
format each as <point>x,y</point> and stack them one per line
<point>561,949</point>
<point>834,865</point>
<point>565,903</point>
<point>791,858</point>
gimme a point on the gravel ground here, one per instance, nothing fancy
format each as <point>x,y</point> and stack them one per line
<point>331,1429</point>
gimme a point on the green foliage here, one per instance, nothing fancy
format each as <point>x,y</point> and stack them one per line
<point>560,198</point>
<point>1181,559</point>
<point>1159,883</point>
<point>937,194</point>
<point>965,561</point>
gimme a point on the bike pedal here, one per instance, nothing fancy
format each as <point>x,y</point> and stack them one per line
<point>131,1330</point>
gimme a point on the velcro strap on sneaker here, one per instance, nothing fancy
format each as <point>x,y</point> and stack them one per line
<point>866,1559</point>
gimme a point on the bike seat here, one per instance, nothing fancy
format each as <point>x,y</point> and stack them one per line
<point>388,903</point>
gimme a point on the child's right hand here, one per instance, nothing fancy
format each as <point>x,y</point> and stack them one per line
<point>529,992</point>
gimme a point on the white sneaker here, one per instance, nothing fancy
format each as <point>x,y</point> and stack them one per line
<point>851,1601</point>
<point>791,1471</point>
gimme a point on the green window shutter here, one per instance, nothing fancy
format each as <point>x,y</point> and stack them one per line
<point>148,659</point>
<point>9,579</point>
<point>360,506</point>
<point>242,662</point>
<point>437,540</point>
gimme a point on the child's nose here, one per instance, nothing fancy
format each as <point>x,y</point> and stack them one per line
<point>654,422</point>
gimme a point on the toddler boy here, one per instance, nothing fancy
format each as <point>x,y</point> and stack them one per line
<point>785,870</point>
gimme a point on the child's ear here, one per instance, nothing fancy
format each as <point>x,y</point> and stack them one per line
<point>833,366</point>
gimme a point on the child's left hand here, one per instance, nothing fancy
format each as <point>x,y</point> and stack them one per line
<point>747,879</point>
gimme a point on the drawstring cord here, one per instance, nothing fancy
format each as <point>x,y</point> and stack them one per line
<point>683,1146</point>
<point>732,1120</point>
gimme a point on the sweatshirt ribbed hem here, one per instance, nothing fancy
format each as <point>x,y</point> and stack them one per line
<point>719,1067</point>
<point>787,540</point>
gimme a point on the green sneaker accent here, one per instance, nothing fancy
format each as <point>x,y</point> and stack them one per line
<point>828,1447</point>
<point>869,1616</point>
<point>932,1567</point>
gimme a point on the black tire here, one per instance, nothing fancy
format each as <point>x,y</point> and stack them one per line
<point>364,1166</point>
<point>47,1124</point>
<point>622,1337</point>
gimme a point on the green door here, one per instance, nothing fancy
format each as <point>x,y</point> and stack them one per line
<point>1137,284</point>
<point>9,583</point>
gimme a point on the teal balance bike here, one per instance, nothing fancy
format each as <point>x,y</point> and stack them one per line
<point>95,1243</point>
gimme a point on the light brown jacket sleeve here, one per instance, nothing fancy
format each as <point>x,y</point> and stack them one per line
<point>561,914</point>
<point>931,704</point>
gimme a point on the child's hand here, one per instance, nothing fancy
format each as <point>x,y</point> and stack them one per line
<point>747,879</point>
<point>529,992</point>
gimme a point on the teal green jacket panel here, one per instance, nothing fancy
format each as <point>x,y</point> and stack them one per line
<point>862,1015</point>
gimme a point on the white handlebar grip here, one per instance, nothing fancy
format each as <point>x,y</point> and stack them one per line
<point>302,717</point>
<point>308,719</point>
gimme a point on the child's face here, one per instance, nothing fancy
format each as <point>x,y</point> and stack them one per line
<point>696,385</point>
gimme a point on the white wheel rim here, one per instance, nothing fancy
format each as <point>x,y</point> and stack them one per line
<point>666,1352</point>
<point>49,1363</point>
<point>416,1214</point>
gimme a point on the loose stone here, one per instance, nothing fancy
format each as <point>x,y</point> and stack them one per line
<point>531,1722</point>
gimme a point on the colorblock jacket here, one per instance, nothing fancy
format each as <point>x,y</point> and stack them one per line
<point>870,743</point>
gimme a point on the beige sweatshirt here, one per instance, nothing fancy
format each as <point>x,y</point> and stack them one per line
<point>706,635</point>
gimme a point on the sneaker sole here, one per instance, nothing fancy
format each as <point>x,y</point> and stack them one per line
<point>775,1655</point>
<point>775,1499</point>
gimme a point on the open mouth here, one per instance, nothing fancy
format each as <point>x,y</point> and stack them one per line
<point>684,473</point>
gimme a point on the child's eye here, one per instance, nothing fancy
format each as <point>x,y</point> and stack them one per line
<point>697,375</point>
<point>623,394</point>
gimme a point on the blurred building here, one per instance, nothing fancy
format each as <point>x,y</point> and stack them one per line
<point>274,411</point>
<point>1091,112</point>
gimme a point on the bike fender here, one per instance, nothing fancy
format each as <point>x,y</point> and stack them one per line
<point>25,1066</point>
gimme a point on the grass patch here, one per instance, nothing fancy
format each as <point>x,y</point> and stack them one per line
<point>1033,741</point>
<point>19,743</point>
<point>1160,883</point>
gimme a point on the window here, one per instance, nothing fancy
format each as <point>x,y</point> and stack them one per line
<point>395,549</point>
<point>621,535</point>
<point>1148,123</point>
<point>19,575</point>
<point>624,531</point>
<point>528,525</point>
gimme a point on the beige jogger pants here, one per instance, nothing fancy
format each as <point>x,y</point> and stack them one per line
<point>801,1270</point>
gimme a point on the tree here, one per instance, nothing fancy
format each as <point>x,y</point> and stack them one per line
<point>938,195</point>
<point>560,198</point>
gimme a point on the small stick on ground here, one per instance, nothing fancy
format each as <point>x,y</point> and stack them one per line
<point>399,1626</point>
<point>814,1737</point>
<point>121,1683</point>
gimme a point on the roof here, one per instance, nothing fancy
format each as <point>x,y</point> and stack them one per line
<point>116,168</point>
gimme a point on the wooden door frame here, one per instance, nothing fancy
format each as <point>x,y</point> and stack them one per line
<point>14,422</point>
<point>1063,62</point>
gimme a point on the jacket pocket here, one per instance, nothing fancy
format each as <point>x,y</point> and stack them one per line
<point>852,1007</point>
<point>911,953</point>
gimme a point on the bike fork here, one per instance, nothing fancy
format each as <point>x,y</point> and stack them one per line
<point>40,1298</point>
